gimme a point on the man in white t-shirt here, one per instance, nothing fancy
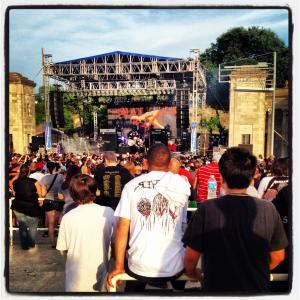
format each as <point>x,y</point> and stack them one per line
<point>38,174</point>
<point>152,209</point>
<point>86,233</point>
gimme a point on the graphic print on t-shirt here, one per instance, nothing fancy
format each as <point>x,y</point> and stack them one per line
<point>160,209</point>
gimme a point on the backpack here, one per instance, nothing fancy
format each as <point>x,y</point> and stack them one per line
<point>274,186</point>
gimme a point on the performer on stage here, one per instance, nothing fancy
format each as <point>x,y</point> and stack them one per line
<point>134,140</point>
<point>150,118</point>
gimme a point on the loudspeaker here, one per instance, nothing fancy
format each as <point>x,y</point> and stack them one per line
<point>38,141</point>
<point>108,138</point>
<point>182,108</point>
<point>158,136</point>
<point>56,109</point>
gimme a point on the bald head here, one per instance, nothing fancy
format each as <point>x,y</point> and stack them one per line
<point>110,158</point>
<point>159,157</point>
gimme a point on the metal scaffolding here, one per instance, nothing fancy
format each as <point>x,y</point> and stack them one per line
<point>122,74</point>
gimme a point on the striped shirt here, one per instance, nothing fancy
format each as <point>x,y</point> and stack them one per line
<point>203,175</point>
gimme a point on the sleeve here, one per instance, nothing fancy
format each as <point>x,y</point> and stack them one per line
<point>193,236</point>
<point>184,212</point>
<point>98,177</point>
<point>123,208</point>
<point>278,239</point>
<point>42,181</point>
<point>262,187</point>
<point>61,180</point>
<point>62,237</point>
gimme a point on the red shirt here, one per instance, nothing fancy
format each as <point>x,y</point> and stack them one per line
<point>203,175</point>
<point>187,174</point>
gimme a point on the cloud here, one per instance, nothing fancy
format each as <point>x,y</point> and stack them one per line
<point>70,33</point>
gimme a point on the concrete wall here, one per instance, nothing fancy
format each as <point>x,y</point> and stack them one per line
<point>247,113</point>
<point>21,111</point>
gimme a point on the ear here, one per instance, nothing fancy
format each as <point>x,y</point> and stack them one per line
<point>146,164</point>
<point>224,184</point>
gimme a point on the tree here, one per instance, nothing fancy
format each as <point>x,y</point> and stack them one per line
<point>242,46</point>
<point>39,107</point>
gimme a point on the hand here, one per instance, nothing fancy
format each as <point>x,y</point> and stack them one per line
<point>111,275</point>
<point>40,203</point>
<point>197,275</point>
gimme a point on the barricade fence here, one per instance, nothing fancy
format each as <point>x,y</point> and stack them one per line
<point>12,228</point>
<point>126,277</point>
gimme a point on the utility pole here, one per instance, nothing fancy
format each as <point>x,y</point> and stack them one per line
<point>46,58</point>
<point>273,103</point>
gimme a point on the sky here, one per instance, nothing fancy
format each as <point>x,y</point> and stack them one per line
<point>74,33</point>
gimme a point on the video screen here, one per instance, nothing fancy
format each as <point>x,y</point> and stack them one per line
<point>156,117</point>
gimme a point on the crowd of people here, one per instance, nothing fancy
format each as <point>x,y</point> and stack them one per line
<point>131,211</point>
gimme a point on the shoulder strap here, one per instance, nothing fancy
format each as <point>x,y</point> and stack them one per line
<point>49,188</point>
<point>270,183</point>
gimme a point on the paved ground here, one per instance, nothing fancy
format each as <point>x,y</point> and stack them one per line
<point>38,270</point>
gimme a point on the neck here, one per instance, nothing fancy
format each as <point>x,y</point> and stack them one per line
<point>162,169</point>
<point>110,164</point>
<point>235,191</point>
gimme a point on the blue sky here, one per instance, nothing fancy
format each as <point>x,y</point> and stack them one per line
<point>71,33</point>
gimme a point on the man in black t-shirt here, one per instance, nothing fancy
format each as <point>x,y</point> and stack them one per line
<point>110,180</point>
<point>240,238</point>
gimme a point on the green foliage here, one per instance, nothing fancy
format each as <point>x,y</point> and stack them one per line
<point>240,46</point>
<point>213,123</point>
<point>39,109</point>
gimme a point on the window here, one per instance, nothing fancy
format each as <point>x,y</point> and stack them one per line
<point>246,139</point>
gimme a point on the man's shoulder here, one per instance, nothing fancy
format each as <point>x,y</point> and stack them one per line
<point>138,179</point>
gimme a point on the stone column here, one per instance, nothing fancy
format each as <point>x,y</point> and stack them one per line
<point>247,107</point>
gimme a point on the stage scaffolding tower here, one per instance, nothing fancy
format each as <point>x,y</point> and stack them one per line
<point>46,62</point>
<point>131,74</point>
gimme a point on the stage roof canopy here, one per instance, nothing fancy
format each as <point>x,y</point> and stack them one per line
<point>110,56</point>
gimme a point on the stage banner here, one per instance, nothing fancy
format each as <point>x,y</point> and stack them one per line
<point>48,141</point>
<point>194,137</point>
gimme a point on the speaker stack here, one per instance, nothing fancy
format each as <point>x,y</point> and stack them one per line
<point>57,109</point>
<point>108,138</point>
<point>182,117</point>
<point>158,136</point>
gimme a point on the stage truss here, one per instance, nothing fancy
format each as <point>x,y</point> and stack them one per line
<point>123,74</point>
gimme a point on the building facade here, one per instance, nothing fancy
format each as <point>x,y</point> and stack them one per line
<point>250,113</point>
<point>21,112</point>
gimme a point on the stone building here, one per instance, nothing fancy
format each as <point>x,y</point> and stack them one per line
<point>250,119</point>
<point>21,112</point>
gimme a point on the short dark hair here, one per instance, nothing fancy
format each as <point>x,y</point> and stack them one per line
<point>24,171</point>
<point>71,171</point>
<point>237,167</point>
<point>51,165</point>
<point>159,155</point>
<point>280,167</point>
<point>83,188</point>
